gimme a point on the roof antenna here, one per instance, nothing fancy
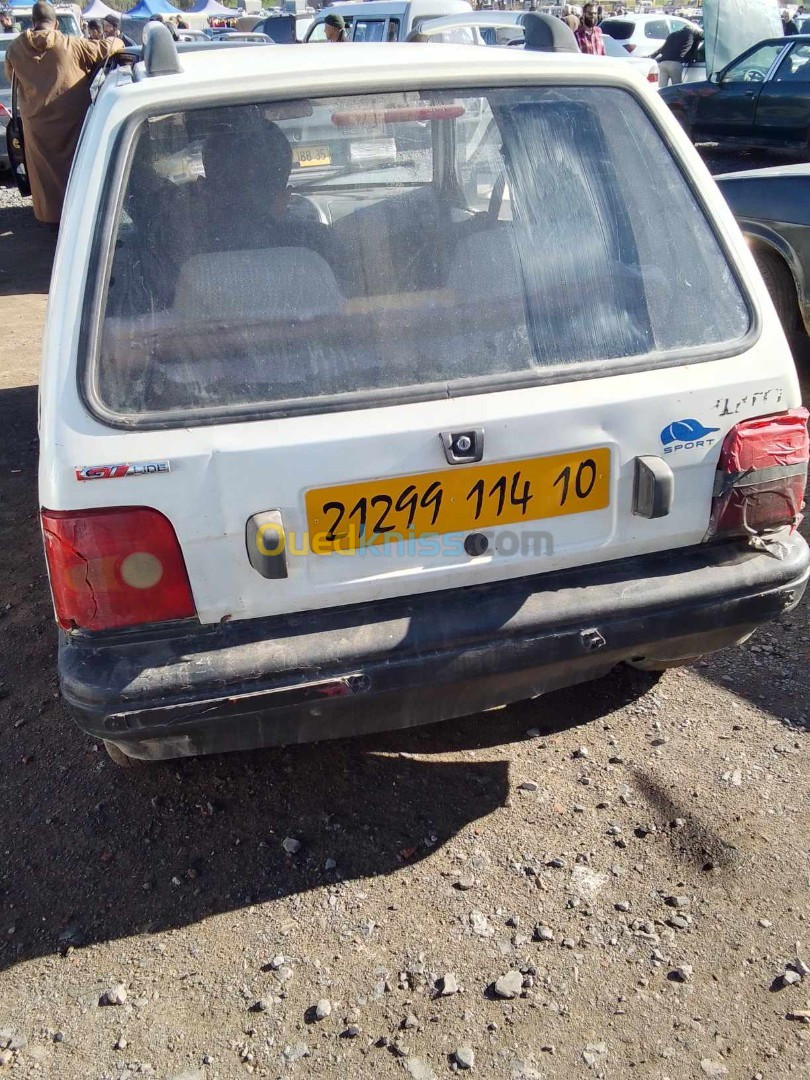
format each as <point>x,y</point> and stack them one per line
<point>159,51</point>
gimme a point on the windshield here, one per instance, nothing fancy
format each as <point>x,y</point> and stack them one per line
<point>339,249</point>
<point>66,23</point>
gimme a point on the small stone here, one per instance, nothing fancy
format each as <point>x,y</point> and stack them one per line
<point>410,1023</point>
<point>682,974</point>
<point>121,1043</point>
<point>116,995</point>
<point>677,901</point>
<point>19,1042</point>
<point>528,785</point>
<point>296,1051</point>
<point>790,978</point>
<point>351,1032</point>
<point>449,985</point>
<point>509,985</point>
<point>277,962</point>
<point>464,1057</point>
<point>616,760</point>
<point>465,883</point>
<point>6,1057</point>
<point>713,1068</point>
<point>323,1009</point>
<point>660,741</point>
<point>207,1059</point>
<point>766,924</point>
<point>480,924</point>
<point>556,863</point>
<point>262,1005</point>
<point>568,943</point>
<point>533,733</point>
<point>418,1069</point>
<point>623,905</point>
<point>581,753</point>
<point>678,922</point>
<point>59,1037</point>
<point>594,1053</point>
<point>543,933</point>
<point>291,845</point>
<point>330,864</point>
<point>284,974</point>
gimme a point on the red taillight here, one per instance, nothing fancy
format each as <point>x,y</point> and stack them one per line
<point>630,48</point>
<point>652,77</point>
<point>115,567</point>
<point>761,476</point>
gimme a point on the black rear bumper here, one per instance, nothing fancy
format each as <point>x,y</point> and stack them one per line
<point>402,662</point>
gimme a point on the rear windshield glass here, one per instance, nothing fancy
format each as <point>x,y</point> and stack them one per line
<point>325,253</point>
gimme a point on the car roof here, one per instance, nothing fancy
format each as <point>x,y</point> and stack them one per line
<point>316,68</point>
<point>478,18</point>
<point>395,7</point>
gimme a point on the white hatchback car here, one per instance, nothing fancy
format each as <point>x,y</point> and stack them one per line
<point>643,35</point>
<point>387,385</point>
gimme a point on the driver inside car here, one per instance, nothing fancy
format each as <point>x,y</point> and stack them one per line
<point>246,194</point>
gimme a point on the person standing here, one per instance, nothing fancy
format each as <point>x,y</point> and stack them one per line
<point>588,34</point>
<point>112,27</point>
<point>788,25</point>
<point>570,19</point>
<point>677,50</point>
<point>335,27</point>
<point>95,31</point>
<point>7,24</point>
<point>52,71</point>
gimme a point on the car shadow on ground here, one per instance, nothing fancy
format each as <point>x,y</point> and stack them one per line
<point>32,273</point>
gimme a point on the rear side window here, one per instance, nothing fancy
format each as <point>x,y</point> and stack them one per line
<point>329,253</point>
<point>656,28</point>
<point>618,29</point>
<point>369,29</point>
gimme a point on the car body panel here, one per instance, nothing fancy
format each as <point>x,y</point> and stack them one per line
<point>773,209</point>
<point>747,103</point>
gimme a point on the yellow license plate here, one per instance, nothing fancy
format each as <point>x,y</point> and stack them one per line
<point>460,499</point>
<point>308,157</point>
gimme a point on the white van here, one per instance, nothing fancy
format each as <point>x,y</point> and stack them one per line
<point>388,385</point>
<point>384,20</point>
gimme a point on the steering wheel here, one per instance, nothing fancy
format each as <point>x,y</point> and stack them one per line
<point>754,75</point>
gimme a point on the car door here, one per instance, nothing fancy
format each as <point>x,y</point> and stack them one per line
<point>727,111</point>
<point>783,108</point>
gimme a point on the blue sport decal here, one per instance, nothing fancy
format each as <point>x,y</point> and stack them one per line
<point>680,431</point>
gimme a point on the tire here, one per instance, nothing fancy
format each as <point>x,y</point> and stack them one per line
<point>780,284</point>
<point>124,761</point>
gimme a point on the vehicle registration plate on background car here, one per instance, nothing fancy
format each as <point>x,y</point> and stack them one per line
<point>459,499</point>
<point>309,156</point>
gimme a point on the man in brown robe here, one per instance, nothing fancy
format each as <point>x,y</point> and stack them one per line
<point>53,78</point>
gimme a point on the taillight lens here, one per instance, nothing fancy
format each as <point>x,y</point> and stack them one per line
<point>115,567</point>
<point>652,77</point>
<point>630,48</point>
<point>761,476</point>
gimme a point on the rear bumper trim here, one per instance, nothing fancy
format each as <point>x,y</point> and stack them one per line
<point>419,659</point>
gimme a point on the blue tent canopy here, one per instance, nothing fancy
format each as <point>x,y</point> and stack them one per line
<point>213,7</point>
<point>97,9</point>
<point>145,9</point>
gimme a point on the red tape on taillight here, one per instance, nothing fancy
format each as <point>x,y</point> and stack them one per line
<point>117,567</point>
<point>761,476</point>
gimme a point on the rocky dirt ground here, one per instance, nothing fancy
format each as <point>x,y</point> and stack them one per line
<point>609,882</point>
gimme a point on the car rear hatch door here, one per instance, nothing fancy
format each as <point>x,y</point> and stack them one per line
<point>730,27</point>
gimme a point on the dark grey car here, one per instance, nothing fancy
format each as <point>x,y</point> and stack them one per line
<point>773,209</point>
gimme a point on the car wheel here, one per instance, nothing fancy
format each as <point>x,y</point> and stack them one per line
<point>779,281</point>
<point>121,759</point>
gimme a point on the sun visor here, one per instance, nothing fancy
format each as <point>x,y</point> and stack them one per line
<point>732,26</point>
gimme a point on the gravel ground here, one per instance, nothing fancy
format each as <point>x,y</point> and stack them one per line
<point>609,882</point>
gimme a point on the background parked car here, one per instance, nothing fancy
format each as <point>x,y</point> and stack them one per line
<point>66,18</point>
<point>5,101</point>
<point>772,207</point>
<point>643,34</point>
<point>391,20</point>
<point>761,99</point>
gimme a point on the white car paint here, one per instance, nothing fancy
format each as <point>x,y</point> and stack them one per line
<point>649,31</point>
<point>224,471</point>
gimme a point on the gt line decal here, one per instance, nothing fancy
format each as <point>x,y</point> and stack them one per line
<point>116,472</point>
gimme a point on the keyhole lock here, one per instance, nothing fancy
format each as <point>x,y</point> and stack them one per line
<point>461,447</point>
